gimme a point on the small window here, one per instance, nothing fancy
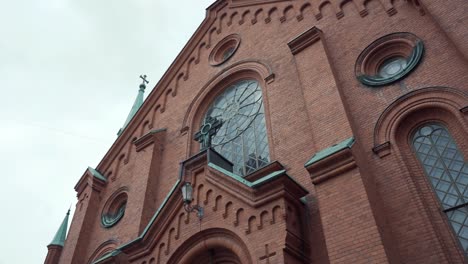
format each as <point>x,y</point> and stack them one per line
<point>114,209</point>
<point>224,50</point>
<point>228,53</point>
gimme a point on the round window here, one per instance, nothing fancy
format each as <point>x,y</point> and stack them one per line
<point>392,67</point>
<point>389,59</point>
<point>114,209</point>
<point>224,50</point>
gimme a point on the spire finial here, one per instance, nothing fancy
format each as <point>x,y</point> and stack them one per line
<point>144,81</point>
<point>137,104</point>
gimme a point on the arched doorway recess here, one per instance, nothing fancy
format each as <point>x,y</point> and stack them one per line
<point>212,246</point>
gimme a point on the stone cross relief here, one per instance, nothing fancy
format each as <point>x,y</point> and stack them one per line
<point>267,255</point>
<point>207,131</point>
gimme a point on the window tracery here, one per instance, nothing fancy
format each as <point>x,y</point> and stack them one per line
<point>242,138</point>
<point>447,171</point>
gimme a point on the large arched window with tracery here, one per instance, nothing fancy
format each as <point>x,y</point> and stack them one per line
<point>448,173</point>
<point>242,138</point>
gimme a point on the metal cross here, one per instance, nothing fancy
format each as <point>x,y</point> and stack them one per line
<point>209,128</point>
<point>143,77</point>
<point>267,255</point>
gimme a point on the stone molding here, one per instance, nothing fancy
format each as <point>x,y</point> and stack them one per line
<point>149,138</point>
<point>449,99</point>
<point>242,3</point>
<point>103,249</point>
<point>88,179</point>
<point>304,40</point>
<point>332,166</point>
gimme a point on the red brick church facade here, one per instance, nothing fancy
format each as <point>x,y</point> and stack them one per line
<point>343,139</point>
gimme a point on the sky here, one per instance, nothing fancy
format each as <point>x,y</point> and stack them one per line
<point>69,73</point>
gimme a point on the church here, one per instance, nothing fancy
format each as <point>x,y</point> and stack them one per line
<point>291,131</point>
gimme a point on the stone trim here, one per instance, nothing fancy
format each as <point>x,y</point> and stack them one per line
<point>332,166</point>
<point>304,40</point>
<point>88,178</point>
<point>450,99</point>
<point>147,139</point>
<point>382,150</point>
<point>348,143</point>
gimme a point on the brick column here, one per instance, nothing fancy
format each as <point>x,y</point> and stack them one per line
<point>350,229</point>
<point>53,254</point>
<point>88,189</point>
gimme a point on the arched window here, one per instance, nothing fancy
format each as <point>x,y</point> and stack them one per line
<point>242,138</point>
<point>448,173</point>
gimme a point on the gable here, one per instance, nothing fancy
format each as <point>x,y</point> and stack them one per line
<point>224,17</point>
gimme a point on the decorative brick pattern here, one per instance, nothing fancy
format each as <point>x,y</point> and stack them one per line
<point>370,205</point>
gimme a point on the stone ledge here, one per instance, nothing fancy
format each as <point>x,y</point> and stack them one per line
<point>331,162</point>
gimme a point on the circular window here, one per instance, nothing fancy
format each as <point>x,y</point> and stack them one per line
<point>224,50</point>
<point>114,209</point>
<point>392,67</point>
<point>389,59</point>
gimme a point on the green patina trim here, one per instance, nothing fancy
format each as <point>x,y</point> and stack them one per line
<point>155,216</point>
<point>136,106</point>
<point>267,178</point>
<point>413,61</point>
<point>60,236</point>
<point>303,200</point>
<point>109,220</point>
<point>330,151</point>
<point>160,208</point>
<point>108,255</point>
<point>97,174</point>
<point>258,182</point>
<point>230,174</point>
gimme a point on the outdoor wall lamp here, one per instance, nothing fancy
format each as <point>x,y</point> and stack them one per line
<point>187,191</point>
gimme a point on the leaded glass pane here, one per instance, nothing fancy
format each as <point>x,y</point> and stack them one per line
<point>448,173</point>
<point>242,139</point>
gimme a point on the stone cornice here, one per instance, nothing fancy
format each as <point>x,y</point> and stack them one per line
<point>88,179</point>
<point>269,187</point>
<point>331,166</point>
<point>148,139</point>
<point>304,40</point>
<point>242,3</point>
<point>260,173</point>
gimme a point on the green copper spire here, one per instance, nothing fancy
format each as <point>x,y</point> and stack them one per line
<point>136,105</point>
<point>59,238</point>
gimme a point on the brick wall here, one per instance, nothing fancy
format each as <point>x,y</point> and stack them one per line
<point>383,211</point>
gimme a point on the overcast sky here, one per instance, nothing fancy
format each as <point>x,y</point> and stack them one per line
<point>68,78</point>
